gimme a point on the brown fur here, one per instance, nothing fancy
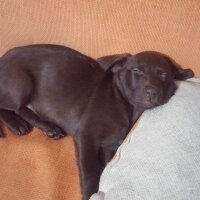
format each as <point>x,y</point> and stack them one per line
<point>60,90</point>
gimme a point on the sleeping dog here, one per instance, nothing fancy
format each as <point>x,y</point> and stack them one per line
<point>62,91</point>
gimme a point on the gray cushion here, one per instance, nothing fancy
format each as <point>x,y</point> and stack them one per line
<point>160,158</point>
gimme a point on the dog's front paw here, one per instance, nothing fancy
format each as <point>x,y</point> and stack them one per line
<point>55,132</point>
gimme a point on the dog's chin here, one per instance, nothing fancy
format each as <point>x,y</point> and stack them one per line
<point>147,104</point>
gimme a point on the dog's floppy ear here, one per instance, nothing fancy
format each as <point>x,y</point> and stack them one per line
<point>113,62</point>
<point>178,71</point>
<point>183,74</point>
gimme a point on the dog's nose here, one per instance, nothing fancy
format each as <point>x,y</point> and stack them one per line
<point>151,93</point>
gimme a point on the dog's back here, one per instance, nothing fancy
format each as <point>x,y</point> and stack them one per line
<point>44,75</point>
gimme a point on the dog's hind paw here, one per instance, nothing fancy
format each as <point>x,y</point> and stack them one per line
<point>14,122</point>
<point>1,133</point>
<point>20,127</point>
<point>55,132</point>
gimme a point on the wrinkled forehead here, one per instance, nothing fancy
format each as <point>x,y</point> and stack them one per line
<point>149,61</point>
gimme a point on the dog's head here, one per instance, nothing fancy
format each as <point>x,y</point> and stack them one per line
<point>145,79</point>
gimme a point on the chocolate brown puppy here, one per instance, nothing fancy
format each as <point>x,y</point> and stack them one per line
<point>60,91</point>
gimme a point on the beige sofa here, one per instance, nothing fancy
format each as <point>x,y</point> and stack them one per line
<point>35,167</point>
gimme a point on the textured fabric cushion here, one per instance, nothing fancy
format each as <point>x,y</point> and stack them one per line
<point>160,158</point>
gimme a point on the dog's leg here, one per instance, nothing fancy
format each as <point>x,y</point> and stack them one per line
<point>15,95</point>
<point>90,168</point>
<point>1,133</point>
<point>49,128</point>
<point>106,155</point>
<point>14,122</point>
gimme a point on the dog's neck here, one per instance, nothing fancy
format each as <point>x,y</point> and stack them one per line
<point>137,112</point>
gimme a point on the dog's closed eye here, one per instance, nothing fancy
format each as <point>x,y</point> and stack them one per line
<point>163,75</point>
